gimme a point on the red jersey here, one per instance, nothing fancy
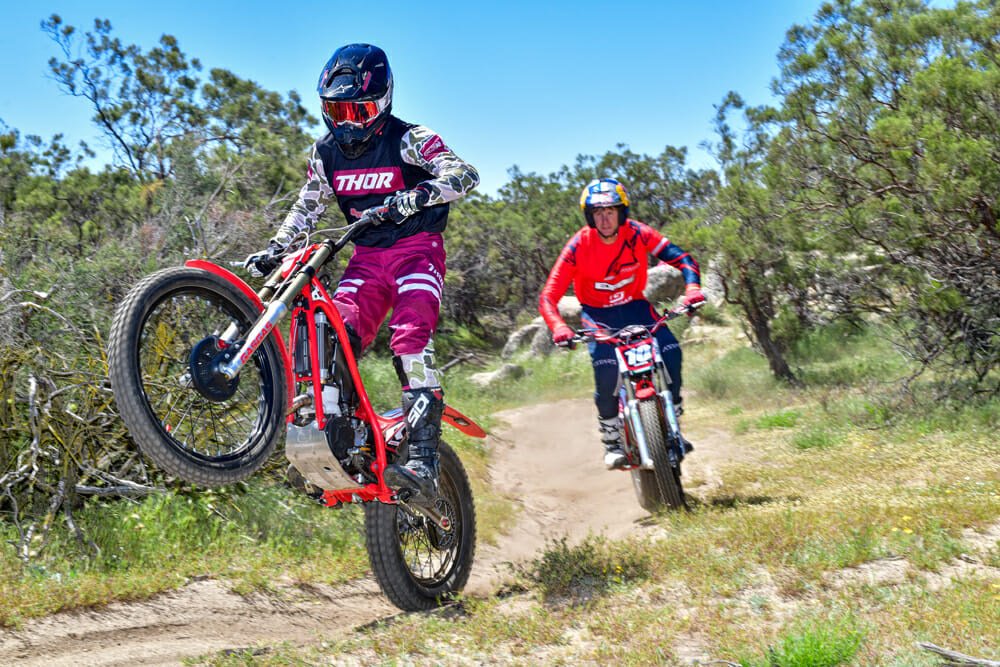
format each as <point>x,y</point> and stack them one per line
<point>609,274</point>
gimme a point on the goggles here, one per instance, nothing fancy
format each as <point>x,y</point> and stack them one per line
<point>358,114</point>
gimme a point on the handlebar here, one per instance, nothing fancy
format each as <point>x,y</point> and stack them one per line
<point>603,335</point>
<point>371,217</point>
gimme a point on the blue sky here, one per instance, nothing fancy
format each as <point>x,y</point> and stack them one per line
<point>532,84</point>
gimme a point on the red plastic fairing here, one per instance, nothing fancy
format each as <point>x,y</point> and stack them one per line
<point>462,423</point>
<point>243,287</point>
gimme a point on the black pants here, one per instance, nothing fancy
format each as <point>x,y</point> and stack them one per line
<point>602,355</point>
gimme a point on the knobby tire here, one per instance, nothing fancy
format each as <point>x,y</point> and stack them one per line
<point>417,566</point>
<point>647,489</point>
<point>668,476</point>
<point>185,434</point>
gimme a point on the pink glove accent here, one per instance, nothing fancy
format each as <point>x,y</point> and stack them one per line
<point>563,334</point>
<point>693,295</point>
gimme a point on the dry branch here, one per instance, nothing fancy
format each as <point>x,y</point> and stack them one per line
<point>955,659</point>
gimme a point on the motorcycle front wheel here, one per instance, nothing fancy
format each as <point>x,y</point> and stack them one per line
<point>668,476</point>
<point>200,437</point>
<point>647,489</point>
<point>417,565</point>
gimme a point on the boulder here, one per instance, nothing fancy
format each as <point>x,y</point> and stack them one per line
<point>505,372</point>
<point>664,284</point>
<point>536,335</point>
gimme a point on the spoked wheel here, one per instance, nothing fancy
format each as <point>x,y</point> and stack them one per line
<point>668,476</point>
<point>418,565</point>
<point>192,422</point>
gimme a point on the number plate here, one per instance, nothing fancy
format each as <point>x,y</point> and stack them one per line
<point>637,357</point>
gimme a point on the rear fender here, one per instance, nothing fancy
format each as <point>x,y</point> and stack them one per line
<point>250,294</point>
<point>462,423</point>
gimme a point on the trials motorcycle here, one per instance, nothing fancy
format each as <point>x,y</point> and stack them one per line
<point>207,386</point>
<point>647,416</point>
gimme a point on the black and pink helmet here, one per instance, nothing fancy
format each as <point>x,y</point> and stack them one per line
<point>355,92</point>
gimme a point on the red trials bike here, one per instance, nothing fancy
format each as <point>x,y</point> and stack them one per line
<point>647,416</point>
<point>207,386</point>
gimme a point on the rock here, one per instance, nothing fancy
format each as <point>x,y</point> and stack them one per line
<point>536,335</point>
<point>664,284</point>
<point>505,372</point>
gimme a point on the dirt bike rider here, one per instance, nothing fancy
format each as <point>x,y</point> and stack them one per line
<point>607,262</point>
<point>370,157</point>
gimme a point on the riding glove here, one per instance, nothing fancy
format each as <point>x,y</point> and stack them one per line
<point>693,295</point>
<point>562,335</point>
<point>405,204</point>
<point>260,264</point>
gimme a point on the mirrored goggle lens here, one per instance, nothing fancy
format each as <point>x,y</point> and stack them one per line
<point>356,113</point>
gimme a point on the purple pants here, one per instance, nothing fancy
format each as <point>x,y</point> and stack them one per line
<point>408,278</point>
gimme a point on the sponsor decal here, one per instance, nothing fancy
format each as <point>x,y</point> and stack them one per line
<point>611,287</point>
<point>249,349</point>
<point>417,410</point>
<point>365,181</point>
<point>618,298</point>
<point>434,146</point>
<point>436,273</point>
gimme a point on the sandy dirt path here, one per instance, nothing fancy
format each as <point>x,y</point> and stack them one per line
<point>548,459</point>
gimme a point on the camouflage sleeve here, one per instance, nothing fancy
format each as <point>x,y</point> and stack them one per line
<point>453,177</point>
<point>314,198</point>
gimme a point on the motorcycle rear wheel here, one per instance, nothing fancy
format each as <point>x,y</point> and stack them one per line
<point>667,476</point>
<point>417,565</point>
<point>207,441</point>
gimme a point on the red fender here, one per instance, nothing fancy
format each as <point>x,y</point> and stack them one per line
<point>243,287</point>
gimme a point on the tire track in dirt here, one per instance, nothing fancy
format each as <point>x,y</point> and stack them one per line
<point>547,460</point>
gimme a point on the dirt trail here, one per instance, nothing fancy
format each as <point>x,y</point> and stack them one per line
<point>573,498</point>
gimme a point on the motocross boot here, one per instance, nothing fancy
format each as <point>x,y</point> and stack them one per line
<point>686,446</point>
<point>611,436</point>
<point>423,409</point>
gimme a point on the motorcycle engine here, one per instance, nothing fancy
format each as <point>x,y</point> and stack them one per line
<point>340,436</point>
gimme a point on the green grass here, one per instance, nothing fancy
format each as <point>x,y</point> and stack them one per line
<point>839,535</point>
<point>812,642</point>
<point>242,533</point>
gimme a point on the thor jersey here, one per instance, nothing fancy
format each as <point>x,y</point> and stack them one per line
<point>610,274</point>
<point>402,156</point>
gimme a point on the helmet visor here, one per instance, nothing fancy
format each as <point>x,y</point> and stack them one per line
<point>358,114</point>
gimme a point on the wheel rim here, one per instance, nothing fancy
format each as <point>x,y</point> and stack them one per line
<point>429,553</point>
<point>204,429</point>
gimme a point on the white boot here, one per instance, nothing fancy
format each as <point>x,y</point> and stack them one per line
<point>611,436</point>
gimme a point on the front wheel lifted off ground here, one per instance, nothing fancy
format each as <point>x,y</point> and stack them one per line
<point>199,436</point>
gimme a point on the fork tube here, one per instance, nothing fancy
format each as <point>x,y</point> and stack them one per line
<point>277,309</point>
<point>632,413</point>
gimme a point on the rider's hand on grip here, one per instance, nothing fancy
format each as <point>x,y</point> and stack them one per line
<point>260,264</point>
<point>404,204</point>
<point>563,336</point>
<point>693,297</point>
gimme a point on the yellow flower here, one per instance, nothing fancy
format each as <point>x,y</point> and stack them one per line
<point>906,518</point>
<point>907,530</point>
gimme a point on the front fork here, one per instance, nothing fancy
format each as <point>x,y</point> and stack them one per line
<point>632,419</point>
<point>273,314</point>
